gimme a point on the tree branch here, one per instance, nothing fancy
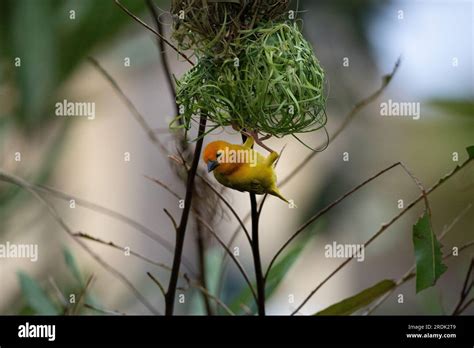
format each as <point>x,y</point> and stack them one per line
<point>181,231</point>
<point>383,228</point>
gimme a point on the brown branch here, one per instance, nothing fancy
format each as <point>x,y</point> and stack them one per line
<point>383,229</point>
<point>164,57</point>
<point>156,281</point>
<point>260,279</point>
<point>201,245</point>
<point>173,221</point>
<point>255,244</point>
<point>181,231</point>
<point>121,248</point>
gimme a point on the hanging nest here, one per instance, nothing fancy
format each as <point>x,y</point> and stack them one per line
<point>274,86</point>
<point>209,27</point>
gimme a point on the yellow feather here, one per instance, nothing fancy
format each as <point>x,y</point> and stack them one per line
<point>256,176</point>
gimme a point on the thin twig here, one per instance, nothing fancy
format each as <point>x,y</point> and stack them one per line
<point>127,11</point>
<point>55,215</point>
<point>466,289</point>
<point>173,221</point>
<point>463,308</point>
<point>324,211</point>
<point>347,120</point>
<point>76,307</point>
<point>163,185</point>
<point>102,310</point>
<point>129,104</point>
<point>408,273</point>
<point>58,292</point>
<point>121,248</point>
<point>164,57</point>
<point>206,293</point>
<point>383,229</point>
<point>236,261</point>
<point>115,215</point>
<point>156,281</point>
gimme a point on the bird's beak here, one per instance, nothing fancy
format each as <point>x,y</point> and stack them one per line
<point>211,165</point>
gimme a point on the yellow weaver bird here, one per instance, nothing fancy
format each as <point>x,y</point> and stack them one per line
<point>241,168</point>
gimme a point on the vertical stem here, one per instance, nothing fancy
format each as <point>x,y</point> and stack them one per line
<point>256,252</point>
<point>256,256</point>
<point>181,231</point>
<point>201,248</point>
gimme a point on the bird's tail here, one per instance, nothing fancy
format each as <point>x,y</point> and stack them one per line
<point>275,192</point>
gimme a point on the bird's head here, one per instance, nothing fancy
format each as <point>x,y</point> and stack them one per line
<point>214,154</point>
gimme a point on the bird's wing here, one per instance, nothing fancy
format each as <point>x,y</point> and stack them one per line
<point>272,157</point>
<point>257,187</point>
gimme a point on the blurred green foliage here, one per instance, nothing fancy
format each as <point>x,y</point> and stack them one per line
<point>52,41</point>
<point>43,300</point>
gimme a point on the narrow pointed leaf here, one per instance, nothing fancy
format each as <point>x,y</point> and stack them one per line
<point>361,300</point>
<point>275,277</point>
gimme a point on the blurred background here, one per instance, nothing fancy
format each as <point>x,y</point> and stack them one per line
<point>357,42</point>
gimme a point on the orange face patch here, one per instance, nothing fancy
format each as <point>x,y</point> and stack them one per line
<point>210,152</point>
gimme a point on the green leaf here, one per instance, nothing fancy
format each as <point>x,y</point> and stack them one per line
<point>36,297</point>
<point>72,265</point>
<point>275,277</point>
<point>470,151</point>
<point>361,300</point>
<point>429,263</point>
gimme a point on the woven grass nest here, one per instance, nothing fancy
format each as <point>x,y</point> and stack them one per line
<point>265,79</point>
